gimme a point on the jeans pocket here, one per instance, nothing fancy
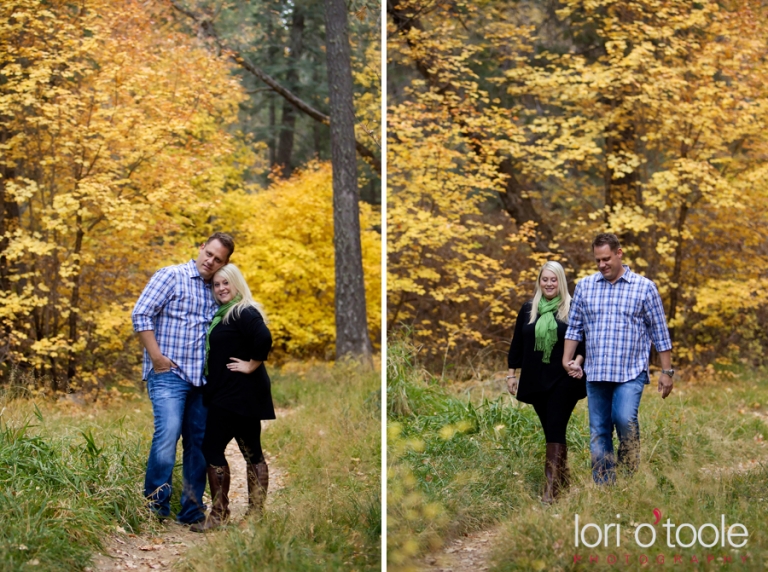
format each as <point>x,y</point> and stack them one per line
<point>154,380</point>
<point>150,384</point>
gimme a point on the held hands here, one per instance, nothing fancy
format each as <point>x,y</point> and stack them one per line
<point>243,366</point>
<point>574,369</point>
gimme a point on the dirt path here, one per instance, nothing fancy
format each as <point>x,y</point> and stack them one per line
<point>161,549</point>
<point>470,553</point>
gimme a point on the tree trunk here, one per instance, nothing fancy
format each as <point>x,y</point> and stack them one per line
<point>317,139</point>
<point>272,141</point>
<point>285,144</point>
<point>520,207</point>
<point>207,29</point>
<point>74,306</point>
<point>317,127</point>
<point>626,189</point>
<point>351,321</point>
<point>608,180</point>
<point>9,216</point>
<point>10,221</point>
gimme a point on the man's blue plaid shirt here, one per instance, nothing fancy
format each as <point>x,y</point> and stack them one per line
<point>179,306</point>
<point>620,321</point>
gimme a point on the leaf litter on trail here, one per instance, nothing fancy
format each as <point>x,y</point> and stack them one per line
<point>162,549</point>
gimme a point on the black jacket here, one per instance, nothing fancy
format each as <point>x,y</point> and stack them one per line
<point>535,375</point>
<point>248,338</point>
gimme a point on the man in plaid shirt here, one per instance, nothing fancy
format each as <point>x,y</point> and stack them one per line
<point>621,314</point>
<point>171,317</point>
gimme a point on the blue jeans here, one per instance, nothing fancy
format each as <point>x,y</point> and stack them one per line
<point>614,404</point>
<point>179,411</point>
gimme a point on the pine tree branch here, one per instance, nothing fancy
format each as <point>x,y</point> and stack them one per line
<point>208,31</point>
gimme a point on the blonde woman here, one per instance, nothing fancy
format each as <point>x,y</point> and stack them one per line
<point>238,392</point>
<point>537,350</point>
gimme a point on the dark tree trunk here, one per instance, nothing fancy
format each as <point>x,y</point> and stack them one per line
<point>317,127</point>
<point>351,322</point>
<point>520,207</point>
<point>207,28</point>
<point>74,306</point>
<point>272,141</point>
<point>608,180</point>
<point>285,144</point>
<point>626,189</point>
<point>10,217</point>
<point>9,220</point>
<point>317,139</point>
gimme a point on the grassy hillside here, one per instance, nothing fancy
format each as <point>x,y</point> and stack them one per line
<point>457,466</point>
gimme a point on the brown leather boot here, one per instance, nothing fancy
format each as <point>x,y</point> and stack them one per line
<point>551,474</point>
<point>218,481</point>
<point>258,483</point>
<point>564,471</point>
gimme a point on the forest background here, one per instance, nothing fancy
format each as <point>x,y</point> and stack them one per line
<point>129,133</point>
<point>518,130</point>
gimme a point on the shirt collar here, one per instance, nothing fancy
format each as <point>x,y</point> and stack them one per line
<point>192,270</point>
<point>628,275</point>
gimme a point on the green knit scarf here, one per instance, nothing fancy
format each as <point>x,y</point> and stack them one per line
<point>546,327</point>
<point>217,317</point>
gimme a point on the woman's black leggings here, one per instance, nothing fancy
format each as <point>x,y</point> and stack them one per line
<point>554,410</point>
<point>223,426</point>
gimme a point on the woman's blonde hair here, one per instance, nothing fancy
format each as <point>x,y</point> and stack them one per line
<point>562,289</point>
<point>237,281</point>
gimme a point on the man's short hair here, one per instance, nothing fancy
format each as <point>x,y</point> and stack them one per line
<point>226,241</point>
<point>606,238</point>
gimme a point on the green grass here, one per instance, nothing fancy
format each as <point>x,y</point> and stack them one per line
<point>66,479</point>
<point>328,516</point>
<point>456,466</point>
<point>71,474</point>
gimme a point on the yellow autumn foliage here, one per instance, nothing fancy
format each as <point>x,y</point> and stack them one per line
<point>118,157</point>
<point>113,122</point>
<point>517,134</point>
<point>285,249</point>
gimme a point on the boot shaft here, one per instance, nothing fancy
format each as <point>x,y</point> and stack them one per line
<point>218,481</point>
<point>258,484</point>
<point>555,471</point>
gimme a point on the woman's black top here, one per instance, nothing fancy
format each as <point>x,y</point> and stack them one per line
<point>535,375</point>
<point>247,338</point>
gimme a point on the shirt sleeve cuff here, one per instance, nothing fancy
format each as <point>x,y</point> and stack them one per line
<point>142,324</point>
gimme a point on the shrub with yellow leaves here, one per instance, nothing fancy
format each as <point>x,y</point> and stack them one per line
<point>285,250</point>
